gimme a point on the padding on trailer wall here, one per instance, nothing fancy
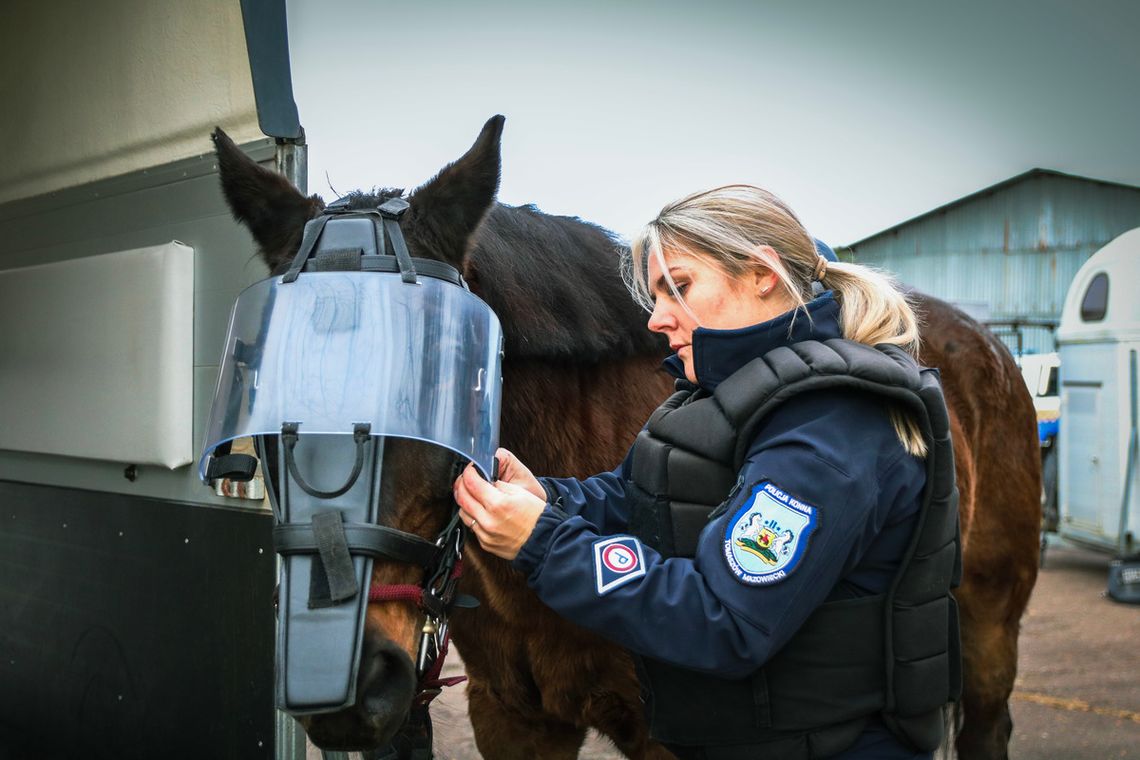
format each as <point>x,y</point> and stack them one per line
<point>96,357</point>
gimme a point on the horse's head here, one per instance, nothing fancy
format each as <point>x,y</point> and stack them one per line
<point>415,494</point>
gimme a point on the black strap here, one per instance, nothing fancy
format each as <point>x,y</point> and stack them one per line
<point>391,210</point>
<point>240,467</point>
<point>313,230</point>
<point>376,541</point>
<point>407,268</point>
<point>369,263</point>
<point>332,546</point>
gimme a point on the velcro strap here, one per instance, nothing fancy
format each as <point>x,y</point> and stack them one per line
<point>376,541</point>
<point>336,260</point>
<point>239,467</point>
<point>332,545</point>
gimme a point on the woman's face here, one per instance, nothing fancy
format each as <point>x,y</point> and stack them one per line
<point>716,301</point>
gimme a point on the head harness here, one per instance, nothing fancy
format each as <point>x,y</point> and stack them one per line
<point>350,348</point>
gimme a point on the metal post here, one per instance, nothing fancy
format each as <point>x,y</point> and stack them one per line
<point>292,161</point>
<point>290,740</point>
<point>1129,462</point>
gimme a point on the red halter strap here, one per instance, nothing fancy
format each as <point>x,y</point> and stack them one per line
<point>431,685</point>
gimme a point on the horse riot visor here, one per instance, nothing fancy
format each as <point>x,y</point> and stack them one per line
<point>350,348</point>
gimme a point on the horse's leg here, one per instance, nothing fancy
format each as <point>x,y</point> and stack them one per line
<point>622,722</point>
<point>502,733</point>
<point>1000,569</point>
<point>999,510</point>
<point>989,658</point>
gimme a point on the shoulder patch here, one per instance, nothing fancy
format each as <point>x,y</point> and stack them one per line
<point>617,561</point>
<point>768,537</point>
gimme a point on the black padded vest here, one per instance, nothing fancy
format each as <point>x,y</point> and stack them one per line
<point>896,655</point>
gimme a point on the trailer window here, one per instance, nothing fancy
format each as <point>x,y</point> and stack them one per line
<point>1095,303</point>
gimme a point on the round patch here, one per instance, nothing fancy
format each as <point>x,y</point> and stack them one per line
<point>619,558</point>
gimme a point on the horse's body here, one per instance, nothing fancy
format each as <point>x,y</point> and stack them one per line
<point>581,376</point>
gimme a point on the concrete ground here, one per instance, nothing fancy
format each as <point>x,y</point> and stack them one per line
<point>1078,688</point>
<point>1077,695</point>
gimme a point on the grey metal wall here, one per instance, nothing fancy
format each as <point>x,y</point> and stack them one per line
<point>1015,249</point>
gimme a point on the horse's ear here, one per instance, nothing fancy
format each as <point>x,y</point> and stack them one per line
<point>264,201</point>
<point>454,202</point>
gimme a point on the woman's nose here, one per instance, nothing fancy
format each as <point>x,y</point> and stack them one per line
<point>660,319</point>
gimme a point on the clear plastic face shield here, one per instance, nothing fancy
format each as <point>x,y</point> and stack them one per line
<point>321,367</point>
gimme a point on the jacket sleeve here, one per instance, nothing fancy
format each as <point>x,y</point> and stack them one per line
<point>600,499</point>
<point>698,613</point>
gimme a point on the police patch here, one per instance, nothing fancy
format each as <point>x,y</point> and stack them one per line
<point>768,536</point>
<point>617,561</point>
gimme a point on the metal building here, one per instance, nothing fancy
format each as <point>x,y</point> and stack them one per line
<point>1008,253</point>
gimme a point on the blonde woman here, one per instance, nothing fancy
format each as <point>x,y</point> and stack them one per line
<point>778,546</point>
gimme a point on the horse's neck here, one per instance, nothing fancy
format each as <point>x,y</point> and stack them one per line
<point>566,419</point>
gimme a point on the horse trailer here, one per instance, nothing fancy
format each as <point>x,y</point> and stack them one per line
<point>136,612</point>
<point>1098,342</point>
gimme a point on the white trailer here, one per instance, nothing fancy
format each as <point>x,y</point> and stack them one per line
<point>1098,342</point>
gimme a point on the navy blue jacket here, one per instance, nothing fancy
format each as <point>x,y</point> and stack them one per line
<point>835,451</point>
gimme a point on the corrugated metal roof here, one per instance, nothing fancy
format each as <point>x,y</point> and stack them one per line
<point>993,189</point>
<point>1011,250</point>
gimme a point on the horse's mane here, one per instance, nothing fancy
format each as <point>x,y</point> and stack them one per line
<point>554,282</point>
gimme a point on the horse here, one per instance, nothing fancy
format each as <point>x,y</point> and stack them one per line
<point>581,375</point>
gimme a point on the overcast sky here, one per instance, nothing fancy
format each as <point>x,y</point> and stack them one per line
<point>859,113</point>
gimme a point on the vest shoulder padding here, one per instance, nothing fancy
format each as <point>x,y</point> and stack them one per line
<point>743,399</point>
<point>750,394</point>
<point>759,381</point>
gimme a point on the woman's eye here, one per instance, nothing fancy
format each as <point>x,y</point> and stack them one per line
<point>682,287</point>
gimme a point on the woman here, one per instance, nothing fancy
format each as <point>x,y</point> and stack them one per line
<point>754,549</point>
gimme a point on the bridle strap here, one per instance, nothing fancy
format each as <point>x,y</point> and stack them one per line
<point>376,541</point>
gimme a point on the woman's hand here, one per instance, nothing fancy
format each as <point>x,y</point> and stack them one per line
<point>501,515</point>
<point>512,470</point>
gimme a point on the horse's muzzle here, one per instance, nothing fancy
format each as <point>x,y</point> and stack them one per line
<point>385,689</point>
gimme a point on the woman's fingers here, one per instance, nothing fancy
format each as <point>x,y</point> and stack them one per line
<point>501,515</point>
<point>512,470</point>
<point>470,492</point>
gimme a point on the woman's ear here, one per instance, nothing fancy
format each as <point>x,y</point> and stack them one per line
<point>765,278</point>
<point>765,281</point>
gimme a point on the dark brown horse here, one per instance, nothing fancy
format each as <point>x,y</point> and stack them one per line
<point>580,378</point>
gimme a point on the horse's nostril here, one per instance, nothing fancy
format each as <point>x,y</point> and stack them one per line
<point>385,687</point>
<point>387,681</point>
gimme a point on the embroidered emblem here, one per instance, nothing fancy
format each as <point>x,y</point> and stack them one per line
<point>768,536</point>
<point>617,561</point>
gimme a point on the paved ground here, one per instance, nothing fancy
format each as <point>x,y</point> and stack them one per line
<point>1078,687</point>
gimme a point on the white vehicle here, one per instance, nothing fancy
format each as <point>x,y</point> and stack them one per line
<point>1098,342</point>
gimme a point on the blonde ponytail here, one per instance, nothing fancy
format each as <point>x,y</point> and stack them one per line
<point>874,309</point>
